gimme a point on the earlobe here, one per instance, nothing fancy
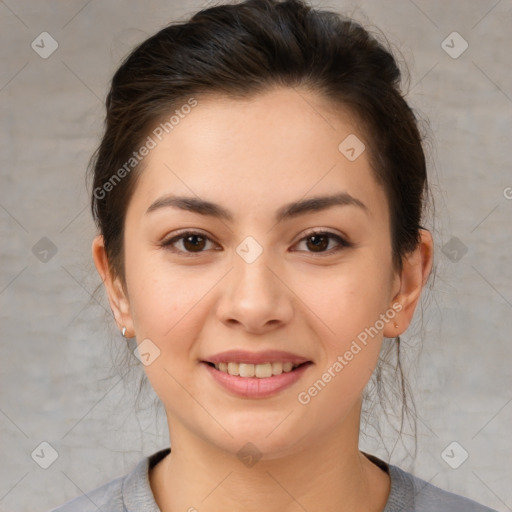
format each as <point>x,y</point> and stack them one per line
<point>118,301</point>
<point>412,278</point>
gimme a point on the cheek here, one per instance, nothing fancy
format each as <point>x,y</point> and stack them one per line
<point>351,307</point>
<point>350,302</point>
<point>169,306</point>
<point>163,297</point>
<point>347,298</point>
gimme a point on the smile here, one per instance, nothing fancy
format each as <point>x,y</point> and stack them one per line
<point>261,371</point>
<point>255,380</point>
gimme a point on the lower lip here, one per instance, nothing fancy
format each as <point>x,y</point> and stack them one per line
<point>254,387</point>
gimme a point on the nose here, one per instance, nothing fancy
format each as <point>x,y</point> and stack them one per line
<point>255,297</point>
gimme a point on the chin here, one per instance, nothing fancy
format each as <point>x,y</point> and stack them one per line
<point>260,442</point>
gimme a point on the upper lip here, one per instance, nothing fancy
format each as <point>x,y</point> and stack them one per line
<point>269,356</point>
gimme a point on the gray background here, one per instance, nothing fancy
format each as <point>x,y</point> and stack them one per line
<point>58,342</point>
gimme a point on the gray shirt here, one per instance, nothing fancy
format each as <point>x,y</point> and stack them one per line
<point>132,493</point>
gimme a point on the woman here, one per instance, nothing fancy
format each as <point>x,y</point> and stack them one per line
<point>259,193</point>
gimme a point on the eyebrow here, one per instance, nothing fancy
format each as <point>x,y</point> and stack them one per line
<point>288,211</point>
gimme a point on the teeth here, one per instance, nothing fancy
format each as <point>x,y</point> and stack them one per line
<point>260,371</point>
<point>277,368</point>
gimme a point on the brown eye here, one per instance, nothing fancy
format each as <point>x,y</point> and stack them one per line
<point>194,243</point>
<point>319,241</point>
<point>191,242</point>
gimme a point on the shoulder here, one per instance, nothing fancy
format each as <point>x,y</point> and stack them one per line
<point>125,493</point>
<point>412,494</point>
<point>107,497</point>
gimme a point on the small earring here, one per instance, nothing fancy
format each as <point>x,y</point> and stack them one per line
<point>123,332</point>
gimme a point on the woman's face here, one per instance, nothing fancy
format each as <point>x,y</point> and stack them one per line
<point>257,279</point>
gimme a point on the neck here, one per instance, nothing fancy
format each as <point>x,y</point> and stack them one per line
<point>328,473</point>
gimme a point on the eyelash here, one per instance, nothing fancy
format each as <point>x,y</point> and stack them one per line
<point>343,244</point>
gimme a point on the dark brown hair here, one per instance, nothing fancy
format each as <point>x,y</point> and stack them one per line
<point>240,50</point>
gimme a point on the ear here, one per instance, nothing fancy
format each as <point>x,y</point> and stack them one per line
<point>408,284</point>
<point>119,303</point>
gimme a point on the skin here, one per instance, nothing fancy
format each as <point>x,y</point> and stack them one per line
<point>252,157</point>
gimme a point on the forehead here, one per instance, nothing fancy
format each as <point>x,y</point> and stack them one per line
<point>266,150</point>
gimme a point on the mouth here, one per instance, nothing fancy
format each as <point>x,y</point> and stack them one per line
<point>260,371</point>
<point>256,381</point>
